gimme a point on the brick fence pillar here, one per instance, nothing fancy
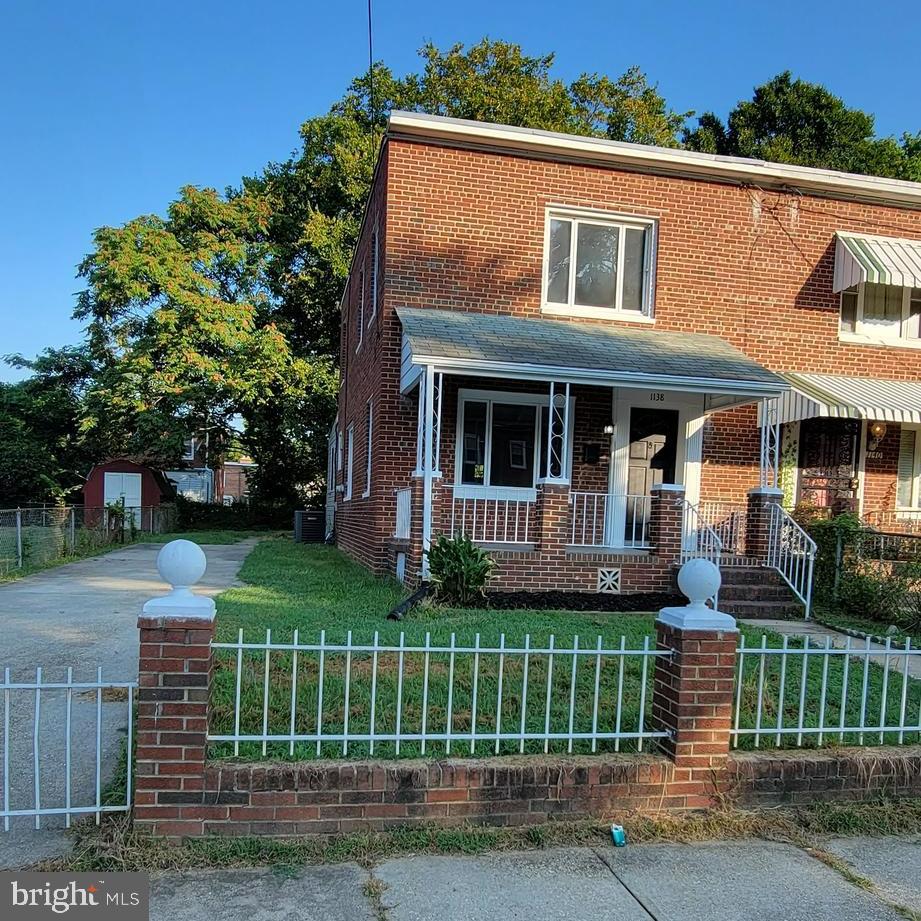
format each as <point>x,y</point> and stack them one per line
<point>758,520</point>
<point>694,688</point>
<point>553,518</point>
<point>666,520</point>
<point>174,676</point>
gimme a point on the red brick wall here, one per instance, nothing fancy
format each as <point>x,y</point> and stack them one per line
<point>464,231</point>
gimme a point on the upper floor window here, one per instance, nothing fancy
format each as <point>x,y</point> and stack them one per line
<point>375,257</point>
<point>360,311</point>
<point>188,449</point>
<point>886,313</point>
<point>599,265</point>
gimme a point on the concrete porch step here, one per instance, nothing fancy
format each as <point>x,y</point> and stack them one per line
<point>748,591</point>
<point>761,610</point>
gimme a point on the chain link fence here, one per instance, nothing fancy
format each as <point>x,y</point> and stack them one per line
<point>31,537</point>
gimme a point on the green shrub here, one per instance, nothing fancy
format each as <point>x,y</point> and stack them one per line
<point>241,516</point>
<point>459,570</point>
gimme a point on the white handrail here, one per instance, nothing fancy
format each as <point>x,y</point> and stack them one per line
<point>591,519</point>
<point>404,514</point>
<point>492,519</point>
<point>791,551</point>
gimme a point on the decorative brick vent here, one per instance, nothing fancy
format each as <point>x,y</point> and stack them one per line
<point>609,581</point>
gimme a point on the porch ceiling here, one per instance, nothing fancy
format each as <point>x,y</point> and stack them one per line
<point>461,342</point>
<point>841,397</point>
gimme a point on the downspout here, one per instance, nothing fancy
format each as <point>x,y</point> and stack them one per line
<point>427,470</point>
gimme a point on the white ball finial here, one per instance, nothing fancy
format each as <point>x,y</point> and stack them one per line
<point>181,563</point>
<point>700,580</point>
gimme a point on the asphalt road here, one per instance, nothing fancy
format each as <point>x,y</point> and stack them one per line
<point>80,615</point>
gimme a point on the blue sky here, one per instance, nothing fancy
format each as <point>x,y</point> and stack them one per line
<point>107,108</point>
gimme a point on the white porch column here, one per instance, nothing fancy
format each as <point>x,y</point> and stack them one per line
<point>770,442</point>
<point>427,393</point>
<point>557,434</point>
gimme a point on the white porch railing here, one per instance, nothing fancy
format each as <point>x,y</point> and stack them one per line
<point>595,516</point>
<point>728,520</point>
<point>404,514</point>
<point>492,518</point>
<point>313,699</point>
<point>791,551</point>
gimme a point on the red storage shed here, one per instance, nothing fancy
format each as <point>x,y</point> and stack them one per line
<point>139,485</point>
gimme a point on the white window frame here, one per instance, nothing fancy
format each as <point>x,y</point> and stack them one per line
<point>369,425</point>
<point>190,453</point>
<point>916,473</point>
<point>490,397</point>
<point>874,333</point>
<point>338,449</point>
<point>361,306</point>
<point>375,267</point>
<point>609,219</point>
<point>349,460</point>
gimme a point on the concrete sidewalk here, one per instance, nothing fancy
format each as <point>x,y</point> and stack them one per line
<point>735,881</point>
<point>81,614</point>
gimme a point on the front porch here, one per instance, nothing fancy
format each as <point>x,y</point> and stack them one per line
<point>580,478</point>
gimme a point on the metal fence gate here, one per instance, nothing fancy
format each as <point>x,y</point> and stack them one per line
<point>66,741</point>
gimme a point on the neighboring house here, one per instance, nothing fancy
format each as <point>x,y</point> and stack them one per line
<point>204,476</point>
<point>138,486</point>
<point>592,356</point>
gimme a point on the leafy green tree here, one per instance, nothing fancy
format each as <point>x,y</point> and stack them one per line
<point>793,121</point>
<point>42,455</point>
<point>180,326</point>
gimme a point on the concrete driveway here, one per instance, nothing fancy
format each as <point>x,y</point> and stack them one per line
<point>80,615</point>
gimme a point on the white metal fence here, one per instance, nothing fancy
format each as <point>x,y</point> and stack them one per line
<point>295,699</point>
<point>37,535</point>
<point>492,518</point>
<point>798,693</point>
<point>66,747</point>
<point>403,527</point>
<point>791,551</point>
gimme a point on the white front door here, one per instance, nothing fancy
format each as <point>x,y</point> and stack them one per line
<point>658,439</point>
<point>124,487</point>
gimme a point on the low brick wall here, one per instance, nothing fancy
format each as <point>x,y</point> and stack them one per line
<point>800,777</point>
<point>332,798</point>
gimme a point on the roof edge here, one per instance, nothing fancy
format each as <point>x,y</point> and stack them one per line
<point>648,158</point>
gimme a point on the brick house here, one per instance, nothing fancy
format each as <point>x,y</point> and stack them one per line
<point>599,358</point>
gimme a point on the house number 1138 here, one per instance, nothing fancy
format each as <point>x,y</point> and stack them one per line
<point>656,397</point>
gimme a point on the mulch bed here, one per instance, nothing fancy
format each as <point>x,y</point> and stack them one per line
<point>582,601</point>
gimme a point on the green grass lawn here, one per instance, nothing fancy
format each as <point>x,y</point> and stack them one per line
<point>312,588</point>
<point>203,537</point>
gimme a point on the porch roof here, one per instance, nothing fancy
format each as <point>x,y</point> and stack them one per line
<point>460,342</point>
<point>850,398</point>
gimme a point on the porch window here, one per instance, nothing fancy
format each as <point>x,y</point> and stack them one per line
<point>908,485</point>
<point>598,265</point>
<point>500,443</point>
<point>881,312</point>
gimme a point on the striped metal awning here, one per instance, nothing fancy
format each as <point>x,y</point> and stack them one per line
<point>880,260</point>
<point>839,397</point>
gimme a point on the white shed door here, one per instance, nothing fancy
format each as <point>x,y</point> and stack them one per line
<point>125,486</point>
